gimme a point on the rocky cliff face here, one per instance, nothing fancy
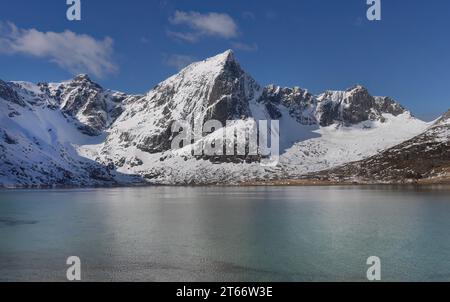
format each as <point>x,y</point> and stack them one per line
<point>300,103</point>
<point>344,108</point>
<point>389,105</point>
<point>9,94</point>
<point>353,106</point>
<point>94,107</point>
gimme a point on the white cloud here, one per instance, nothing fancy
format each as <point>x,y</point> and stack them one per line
<point>179,61</point>
<point>77,53</point>
<point>187,37</point>
<point>244,46</point>
<point>209,24</point>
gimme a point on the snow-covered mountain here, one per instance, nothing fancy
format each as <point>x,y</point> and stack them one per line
<point>78,133</point>
<point>41,127</point>
<point>422,159</point>
<point>216,88</point>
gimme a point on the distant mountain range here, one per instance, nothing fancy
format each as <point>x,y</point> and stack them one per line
<point>76,133</point>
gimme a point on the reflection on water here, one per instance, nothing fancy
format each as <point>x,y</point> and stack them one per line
<point>13,222</point>
<point>226,233</point>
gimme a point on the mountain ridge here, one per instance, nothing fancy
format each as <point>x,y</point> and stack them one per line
<point>127,138</point>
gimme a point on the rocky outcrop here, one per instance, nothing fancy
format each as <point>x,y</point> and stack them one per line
<point>9,94</point>
<point>346,108</point>
<point>389,105</point>
<point>353,106</point>
<point>444,119</point>
<point>94,107</point>
<point>300,104</point>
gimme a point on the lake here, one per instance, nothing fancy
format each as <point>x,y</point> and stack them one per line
<point>226,233</point>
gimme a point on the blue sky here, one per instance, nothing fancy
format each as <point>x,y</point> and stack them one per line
<point>316,44</point>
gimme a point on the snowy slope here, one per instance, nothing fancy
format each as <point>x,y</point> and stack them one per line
<point>336,145</point>
<point>423,158</point>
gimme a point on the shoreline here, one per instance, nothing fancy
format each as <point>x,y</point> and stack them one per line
<point>318,182</point>
<point>261,183</point>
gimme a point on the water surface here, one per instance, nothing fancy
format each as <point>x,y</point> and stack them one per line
<point>226,233</point>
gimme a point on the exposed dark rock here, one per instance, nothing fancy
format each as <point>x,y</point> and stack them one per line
<point>9,139</point>
<point>229,95</point>
<point>354,106</point>
<point>84,99</point>
<point>228,99</point>
<point>445,118</point>
<point>388,105</point>
<point>299,103</point>
<point>10,95</point>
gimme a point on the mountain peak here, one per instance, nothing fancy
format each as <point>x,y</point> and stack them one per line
<point>227,55</point>
<point>212,89</point>
<point>357,88</point>
<point>444,119</point>
<point>222,59</point>
<point>85,81</point>
<point>82,78</point>
<point>207,70</point>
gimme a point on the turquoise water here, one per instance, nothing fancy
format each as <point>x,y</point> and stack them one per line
<point>226,234</point>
